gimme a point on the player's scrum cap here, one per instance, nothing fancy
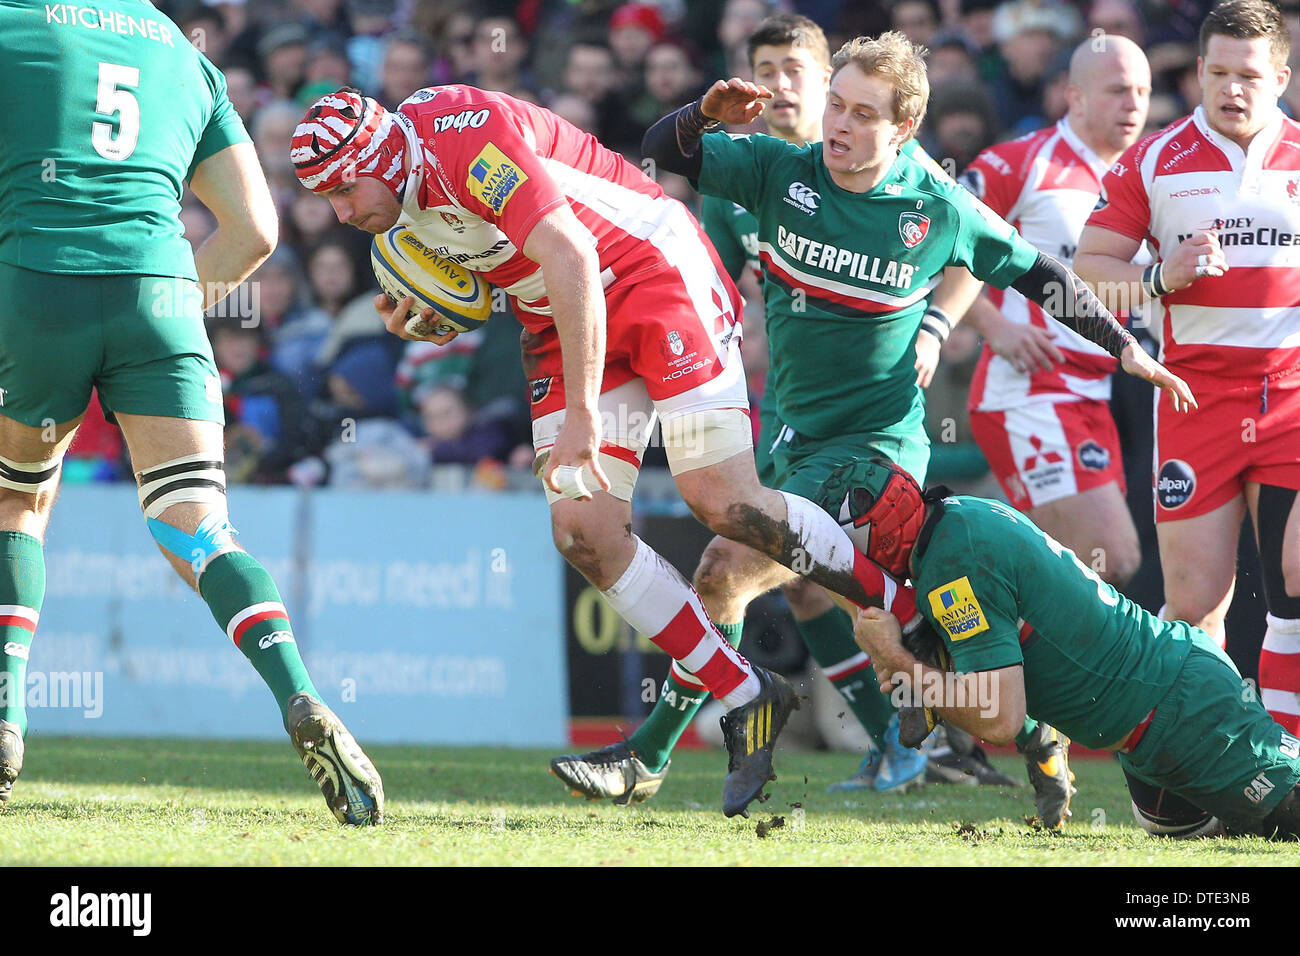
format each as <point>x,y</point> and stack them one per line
<point>345,135</point>
<point>880,507</point>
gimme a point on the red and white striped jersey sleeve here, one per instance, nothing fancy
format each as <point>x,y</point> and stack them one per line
<point>1124,206</point>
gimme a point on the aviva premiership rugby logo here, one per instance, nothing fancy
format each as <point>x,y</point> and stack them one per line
<point>955,608</point>
<point>493,178</point>
<point>912,227</point>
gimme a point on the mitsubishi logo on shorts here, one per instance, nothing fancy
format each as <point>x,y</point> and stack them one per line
<point>912,227</point>
<point>804,198</point>
<point>1049,457</point>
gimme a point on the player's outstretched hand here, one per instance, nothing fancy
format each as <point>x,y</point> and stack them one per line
<point>394,316</point>
<point>1196,256</point>
<point>927,358</point>
<point>1027,347</point>
<point>735,102</point>
<point>1137,363</point>
<point>574,454</point>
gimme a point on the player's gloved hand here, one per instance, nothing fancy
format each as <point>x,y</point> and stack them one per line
<point>574,452</point>
<point>1027,347</point>
<point>1137,363</point>
<point>1196,256</point>
<point>735,102</point>
<point>395,319</point>
<point>927,358</point>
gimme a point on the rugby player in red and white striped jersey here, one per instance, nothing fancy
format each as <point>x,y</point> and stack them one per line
<point>1039,399</point>
<point>628,317</point>
<point>1217,195</point>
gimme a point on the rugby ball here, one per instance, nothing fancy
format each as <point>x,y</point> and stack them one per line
<point>404,266</point>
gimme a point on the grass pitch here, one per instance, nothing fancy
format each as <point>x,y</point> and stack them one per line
<point>89,802</point>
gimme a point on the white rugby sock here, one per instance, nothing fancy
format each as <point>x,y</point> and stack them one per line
<point>1279,672</point>
<point>656,600</point>
<point>825,544</point>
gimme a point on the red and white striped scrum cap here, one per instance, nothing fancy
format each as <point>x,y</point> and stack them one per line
<point>345,135</point>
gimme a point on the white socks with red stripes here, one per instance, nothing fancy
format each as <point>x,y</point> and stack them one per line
<point>1279,672</point>
<point>657,601</point>
<point>825,545</point>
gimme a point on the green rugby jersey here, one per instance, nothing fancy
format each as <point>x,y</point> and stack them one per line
<point>109,110</point>
<point>1001,593</point>
<point>733,230</point>
<point>848,274</point>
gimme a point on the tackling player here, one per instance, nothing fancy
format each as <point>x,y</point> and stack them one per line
<point>628,317</point>
<point>118,112</point>
<point>1040,410</point>
<point>1217,194</point>
<point>1029,628</point>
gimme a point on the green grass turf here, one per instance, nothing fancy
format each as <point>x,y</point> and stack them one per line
<point>161,802</point>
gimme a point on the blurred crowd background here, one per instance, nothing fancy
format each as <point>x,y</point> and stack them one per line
<point>318,393</point>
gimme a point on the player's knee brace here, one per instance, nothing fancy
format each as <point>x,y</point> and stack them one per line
<point>700,439</point>
<point>197,478</point>
<point>1164,813</point>
<point>30,477</point>
<point>1274,509</point>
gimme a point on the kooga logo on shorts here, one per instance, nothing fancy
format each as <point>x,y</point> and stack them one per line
<point>1175,483</point>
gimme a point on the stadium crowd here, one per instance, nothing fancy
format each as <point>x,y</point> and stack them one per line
<point>318,393</point>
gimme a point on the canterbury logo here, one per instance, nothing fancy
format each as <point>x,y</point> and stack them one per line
<point>805,197</point>
<point>275,637</point>
<point>14,649</point>
<point>758,729</point>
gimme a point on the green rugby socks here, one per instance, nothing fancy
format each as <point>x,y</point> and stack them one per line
<point>247,605</point>
<point>1028,734</point>
<point>829,638</point>
<point>22,589</point>
<point>682,696</point>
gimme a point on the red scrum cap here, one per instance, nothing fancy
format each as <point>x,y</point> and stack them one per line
<point>880,507</point>
<point>344,135</point>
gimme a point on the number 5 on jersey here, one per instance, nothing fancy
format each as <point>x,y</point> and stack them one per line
<point>111,99</point>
